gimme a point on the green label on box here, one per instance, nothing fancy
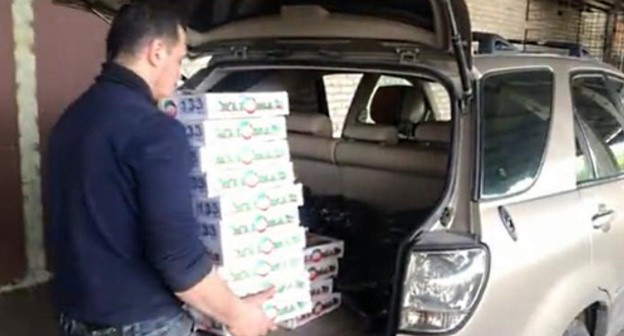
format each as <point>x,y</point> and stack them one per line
<point>262,223</point>
<point>267,245</point>
<point>264,268</point>
<point>253,178</point>
<point>247,130</point>
<point>273,310</point>
<point>250,105</point>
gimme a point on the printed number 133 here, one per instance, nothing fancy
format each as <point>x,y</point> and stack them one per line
<point>192,105</point>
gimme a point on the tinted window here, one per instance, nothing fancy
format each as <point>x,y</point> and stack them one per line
<point>515,118</point>
<point>600,120</point>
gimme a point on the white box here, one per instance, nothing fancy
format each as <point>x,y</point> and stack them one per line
<point>326,269</point>
<point>283,311</point>
<point>238,154</point>
<point>250,223</point>
<point>244,274</point>
<point>288,306</point>
<point>321,305</point>
<point>258,201</point>
<point>282,281</point>
<point>319,248</point>
<point>200,107</point>
<point>226,250</point>
<point>214,131</point>
<point>321,287</point>
<point>221,181</point>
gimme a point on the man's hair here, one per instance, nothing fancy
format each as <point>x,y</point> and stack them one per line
<point>138,23</point>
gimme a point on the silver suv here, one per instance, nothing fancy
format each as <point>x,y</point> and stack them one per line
<point>476,195</point>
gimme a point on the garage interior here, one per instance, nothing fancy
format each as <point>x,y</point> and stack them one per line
<point>67,46</point>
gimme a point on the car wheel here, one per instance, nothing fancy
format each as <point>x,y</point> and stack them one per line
<point>576,328</point>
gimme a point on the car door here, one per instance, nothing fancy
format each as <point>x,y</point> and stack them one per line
<point>529,214</point>
<point>599,126</point>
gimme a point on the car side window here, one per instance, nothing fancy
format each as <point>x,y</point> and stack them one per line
<point>599,117</point>
<point>516,110</point>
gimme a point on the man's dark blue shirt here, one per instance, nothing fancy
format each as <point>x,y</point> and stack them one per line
<point>122,232</point>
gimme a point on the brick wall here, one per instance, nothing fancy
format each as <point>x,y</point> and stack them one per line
<point>505,17</point>
<point>549,20</point>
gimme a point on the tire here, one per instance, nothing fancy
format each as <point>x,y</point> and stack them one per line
<point>577,328</point>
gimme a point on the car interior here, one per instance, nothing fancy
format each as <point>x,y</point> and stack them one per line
<point>372,169</point>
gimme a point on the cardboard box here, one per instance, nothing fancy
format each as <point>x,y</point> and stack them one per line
<point>283,282</point>
<point>283,311</point>
<point>320,248</point>
<point>200,107</point>
<point>326,269</point>
<point>286,282</point>
<point>250,223</point>
<point>321,306</point>
<point>246,273</point>
<point>227,250</point>
<point>220,181</point>
<point>258,201</point>
<point>282,307</point>
<point>321,287</point>
<point>211,132</point>
<point>238,154</point>
<point>288,306</point>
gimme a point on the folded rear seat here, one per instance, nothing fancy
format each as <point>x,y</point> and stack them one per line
<point>375,168</point>
<point>312,148</point>
<point>381,165</point>
<point>435,134</point>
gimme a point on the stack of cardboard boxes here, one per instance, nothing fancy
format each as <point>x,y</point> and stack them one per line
<point>245,194</point>
<point>247,203</point>
<point>322,256</point>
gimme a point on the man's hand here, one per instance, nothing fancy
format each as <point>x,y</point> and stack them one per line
<point>243,317</point>
<point>251,320</point>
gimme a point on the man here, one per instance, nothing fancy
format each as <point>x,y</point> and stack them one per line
<point>124,242</point>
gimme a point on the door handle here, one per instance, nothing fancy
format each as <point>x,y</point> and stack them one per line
<point>602,219</point>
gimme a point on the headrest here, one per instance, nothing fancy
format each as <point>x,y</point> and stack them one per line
<point>434,131</point>
<point>396,103</point>
<point>375,133</point>
<point>310,123</point>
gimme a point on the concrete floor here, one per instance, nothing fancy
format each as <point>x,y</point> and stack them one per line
<point>27,312</point>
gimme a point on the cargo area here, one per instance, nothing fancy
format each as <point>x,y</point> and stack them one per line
<point>372,170</point>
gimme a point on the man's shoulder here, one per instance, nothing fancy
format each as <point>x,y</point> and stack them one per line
<point>116,95</point>
<point>120,111</point>
<point>126,106</point>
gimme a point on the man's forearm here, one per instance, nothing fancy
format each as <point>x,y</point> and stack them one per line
<point>213,298</point>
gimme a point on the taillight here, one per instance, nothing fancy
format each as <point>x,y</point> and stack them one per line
<point>441,288</point>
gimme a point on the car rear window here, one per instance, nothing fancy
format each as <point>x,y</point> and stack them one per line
<point>516,109</point>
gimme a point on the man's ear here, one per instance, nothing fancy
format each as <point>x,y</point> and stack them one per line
<point>156,52</point>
